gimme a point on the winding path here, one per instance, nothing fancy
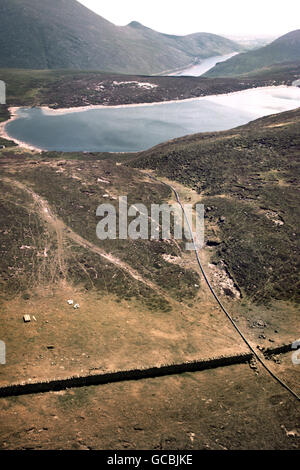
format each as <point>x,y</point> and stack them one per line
<point>62,230</point>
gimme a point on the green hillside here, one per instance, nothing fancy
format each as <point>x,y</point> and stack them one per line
<point>282,50</point>
<point>63,34</point>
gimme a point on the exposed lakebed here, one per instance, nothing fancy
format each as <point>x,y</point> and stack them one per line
<point>138,127</point>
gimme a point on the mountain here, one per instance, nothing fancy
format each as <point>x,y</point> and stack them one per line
<point>63,34</point>
<point>284,49</point>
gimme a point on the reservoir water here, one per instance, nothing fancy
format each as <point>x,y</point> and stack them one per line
<point>204,66</point>
<point>139,127</point>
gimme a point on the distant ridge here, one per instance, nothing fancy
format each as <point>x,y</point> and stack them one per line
<point>63,34</point>
<point>136,24</point>
<point>282,50</point>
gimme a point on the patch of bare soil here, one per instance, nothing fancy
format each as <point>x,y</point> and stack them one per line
<point>227,408</point>
<point>104,334</point>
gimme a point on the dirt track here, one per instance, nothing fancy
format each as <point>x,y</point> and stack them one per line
<point>62,230</point>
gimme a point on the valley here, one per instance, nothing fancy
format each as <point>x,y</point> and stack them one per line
<point>283,50</point>
<point>130,292</point>
<point>116,333</point>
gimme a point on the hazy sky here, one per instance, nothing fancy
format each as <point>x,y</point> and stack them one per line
<point>230,17</point>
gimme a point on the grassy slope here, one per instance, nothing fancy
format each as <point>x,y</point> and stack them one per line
<point>277,71</point>
<point>249,177</point>
<point>56,34</point>
<point>226,408</point>
<point>76,196</point>
<point>282,50</point>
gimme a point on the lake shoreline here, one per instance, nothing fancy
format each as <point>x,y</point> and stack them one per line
<point>13,112</point>
<point>202,66</point>
<point>50,111</point>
